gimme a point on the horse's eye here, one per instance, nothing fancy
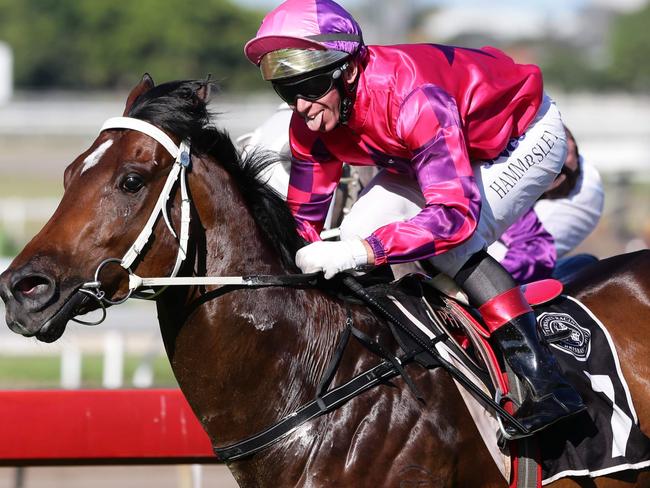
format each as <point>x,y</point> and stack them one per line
<point>132,183</point>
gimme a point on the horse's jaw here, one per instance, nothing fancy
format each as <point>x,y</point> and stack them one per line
<point>54,327</point>
<point>45,328</point>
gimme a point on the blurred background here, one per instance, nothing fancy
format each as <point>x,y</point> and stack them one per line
<point>65,67</point>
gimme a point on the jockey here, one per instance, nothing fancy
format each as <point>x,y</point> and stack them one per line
<point>535,246</point>
<point>458,134</point>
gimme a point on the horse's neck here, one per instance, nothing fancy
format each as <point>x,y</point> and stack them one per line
<point>247,358</point>
<point>234,245</point>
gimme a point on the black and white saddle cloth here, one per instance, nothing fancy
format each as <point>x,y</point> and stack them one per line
<point>606,438</point>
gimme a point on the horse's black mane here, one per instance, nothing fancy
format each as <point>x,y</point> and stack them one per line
<point>180,108</point>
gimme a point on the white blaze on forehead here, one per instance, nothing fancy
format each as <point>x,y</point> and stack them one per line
<point>96,155</point>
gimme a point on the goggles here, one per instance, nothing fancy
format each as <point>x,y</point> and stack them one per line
<point>292,63</point>
<point>308,87</point>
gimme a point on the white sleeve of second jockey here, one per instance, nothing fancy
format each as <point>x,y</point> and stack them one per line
<point>570,220</point>
<point>273,135</point>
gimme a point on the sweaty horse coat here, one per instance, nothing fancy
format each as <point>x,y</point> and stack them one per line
<point>248,358</point>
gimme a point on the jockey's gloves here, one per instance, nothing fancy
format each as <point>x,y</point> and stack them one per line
<point>332,257</point>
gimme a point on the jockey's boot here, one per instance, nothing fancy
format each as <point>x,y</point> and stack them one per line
<point>506,312</point>
<point>548,397</point>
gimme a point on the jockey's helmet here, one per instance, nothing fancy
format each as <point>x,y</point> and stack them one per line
<point>301,36</point>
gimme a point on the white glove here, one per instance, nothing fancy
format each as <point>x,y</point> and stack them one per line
<point>332,257</point>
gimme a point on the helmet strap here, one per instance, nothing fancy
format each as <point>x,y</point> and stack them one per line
<point>347,93</point>
<point>346,109</point>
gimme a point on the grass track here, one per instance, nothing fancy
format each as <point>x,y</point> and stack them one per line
<point>19,372</point>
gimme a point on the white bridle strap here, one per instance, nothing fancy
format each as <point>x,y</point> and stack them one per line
<point>144,236</point>
<point>146,128</point>
<point>136,281</point>
<point>181,155</point>
<point>185,217</point>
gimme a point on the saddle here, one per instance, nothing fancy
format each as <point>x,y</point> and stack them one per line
<point>605,439</point>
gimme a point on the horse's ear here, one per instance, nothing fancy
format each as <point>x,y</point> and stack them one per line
<point>203,93</point>
<point>144,86</point>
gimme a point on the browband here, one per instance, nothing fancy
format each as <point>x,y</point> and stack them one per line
<point>144,127</point>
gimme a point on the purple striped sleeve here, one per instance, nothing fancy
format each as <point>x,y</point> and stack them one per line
<point>531,253</point>
<point>430,126</point>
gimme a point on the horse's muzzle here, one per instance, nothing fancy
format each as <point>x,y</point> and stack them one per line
<point>30,297</point>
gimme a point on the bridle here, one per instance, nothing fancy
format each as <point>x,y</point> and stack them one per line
<point>178,173</point>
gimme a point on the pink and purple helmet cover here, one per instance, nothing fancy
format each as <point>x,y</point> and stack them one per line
<point>306,24</point>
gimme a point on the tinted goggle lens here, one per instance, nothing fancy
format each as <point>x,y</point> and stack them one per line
<point>311,88</point>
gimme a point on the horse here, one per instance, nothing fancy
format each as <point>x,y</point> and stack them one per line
<point>247,358</point>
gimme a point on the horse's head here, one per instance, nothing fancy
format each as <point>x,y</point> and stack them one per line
<point>110,191</point>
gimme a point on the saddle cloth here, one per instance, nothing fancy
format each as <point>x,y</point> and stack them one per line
<point>606,438</point>
<point>603,440</point>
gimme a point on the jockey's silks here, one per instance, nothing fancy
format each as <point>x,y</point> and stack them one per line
<point>424,110</point>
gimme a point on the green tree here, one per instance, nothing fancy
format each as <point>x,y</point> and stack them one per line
<point>107,43</point>
<point>568,67</point>
<point>630,51</point>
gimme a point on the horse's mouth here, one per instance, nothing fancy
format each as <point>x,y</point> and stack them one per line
<point>54,327</point>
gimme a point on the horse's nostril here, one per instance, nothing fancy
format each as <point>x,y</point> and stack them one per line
<point>33,291</point>
<point>31,286</point>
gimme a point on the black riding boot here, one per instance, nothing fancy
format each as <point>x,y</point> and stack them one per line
<point>547,395</point>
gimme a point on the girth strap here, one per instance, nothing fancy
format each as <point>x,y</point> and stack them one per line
<point>374,347</point>
<point>328,401</point>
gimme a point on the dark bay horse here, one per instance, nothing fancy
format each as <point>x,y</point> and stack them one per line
<point>250,357</point>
